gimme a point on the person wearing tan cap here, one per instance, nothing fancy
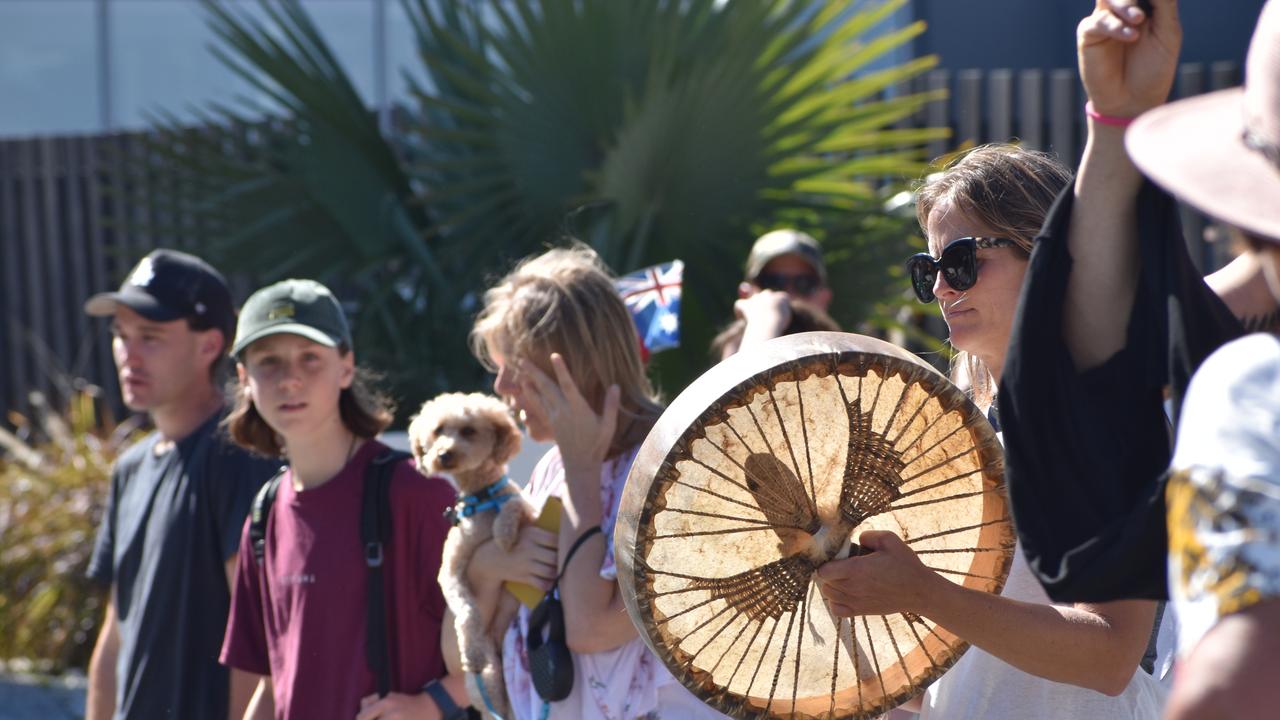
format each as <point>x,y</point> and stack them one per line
<point>784,267</point>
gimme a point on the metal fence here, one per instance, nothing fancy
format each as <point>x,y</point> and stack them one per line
<point>55,250</point>
<point>61,238</point>
<point>1044,112</point>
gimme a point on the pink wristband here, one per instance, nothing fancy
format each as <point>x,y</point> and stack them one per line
<point>1111,120</point>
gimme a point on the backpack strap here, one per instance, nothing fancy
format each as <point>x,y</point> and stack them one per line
<point>375,532</point>
<point>260,511</point>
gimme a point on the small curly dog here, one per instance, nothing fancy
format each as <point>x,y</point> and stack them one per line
<point>470,438</point>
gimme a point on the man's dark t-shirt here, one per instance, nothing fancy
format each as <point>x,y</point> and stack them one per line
<point>172,521</point>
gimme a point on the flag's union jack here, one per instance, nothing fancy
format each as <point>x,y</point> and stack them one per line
<point>653,297</point>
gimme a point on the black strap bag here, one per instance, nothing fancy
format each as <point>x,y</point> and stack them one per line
<point>550,662</point>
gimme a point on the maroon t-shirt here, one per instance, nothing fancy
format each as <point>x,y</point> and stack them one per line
<point>302,621</point>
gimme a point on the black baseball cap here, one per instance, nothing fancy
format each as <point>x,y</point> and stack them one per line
<point>168,285</point>
<point>296,307</point>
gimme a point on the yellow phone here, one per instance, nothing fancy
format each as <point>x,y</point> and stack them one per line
<point>548,519</point>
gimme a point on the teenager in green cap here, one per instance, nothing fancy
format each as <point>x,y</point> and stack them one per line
<point>298,617</point>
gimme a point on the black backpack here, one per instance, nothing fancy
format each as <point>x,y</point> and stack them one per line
<point>375,532</point>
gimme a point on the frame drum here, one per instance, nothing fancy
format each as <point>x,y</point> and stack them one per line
<point>768,466</point>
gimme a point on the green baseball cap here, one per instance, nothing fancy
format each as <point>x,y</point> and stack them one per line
<point>295,307</point>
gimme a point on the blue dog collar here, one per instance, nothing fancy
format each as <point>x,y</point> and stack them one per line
<point>483,501</point>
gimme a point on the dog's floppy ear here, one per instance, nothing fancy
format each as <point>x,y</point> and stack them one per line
<point>506,442</point>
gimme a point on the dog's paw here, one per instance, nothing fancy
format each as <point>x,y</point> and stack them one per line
<point>506,537</point>
<point>506,527</point>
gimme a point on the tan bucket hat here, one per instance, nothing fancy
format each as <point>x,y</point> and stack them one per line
<point>1221,151</point>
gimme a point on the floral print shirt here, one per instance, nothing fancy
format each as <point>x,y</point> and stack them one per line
<point>1223,496</point>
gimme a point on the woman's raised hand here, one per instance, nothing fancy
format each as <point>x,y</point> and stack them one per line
<point>1127,58</point>
<point>582,435</point>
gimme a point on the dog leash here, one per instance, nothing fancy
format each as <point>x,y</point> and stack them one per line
<point>488,704</point>
<point>484,500</point>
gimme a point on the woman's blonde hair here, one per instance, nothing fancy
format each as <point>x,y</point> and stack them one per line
<point>564,301</point>
<point>1007,189</point>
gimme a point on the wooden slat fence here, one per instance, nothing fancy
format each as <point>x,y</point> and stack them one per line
<point>60,237</point>
<point>60,242</point>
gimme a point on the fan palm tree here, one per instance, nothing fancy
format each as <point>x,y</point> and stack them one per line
<point>650,129</point>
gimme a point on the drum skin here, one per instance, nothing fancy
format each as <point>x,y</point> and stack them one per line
<point>768,466</point>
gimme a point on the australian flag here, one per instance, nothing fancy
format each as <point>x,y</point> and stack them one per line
<point>653,297</point>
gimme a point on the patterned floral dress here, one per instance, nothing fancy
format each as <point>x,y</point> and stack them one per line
<point>625,683</point>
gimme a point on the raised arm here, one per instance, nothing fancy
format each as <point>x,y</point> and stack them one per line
<point>1093,646</point>
<point>1242,285</point>
<point>1127,62</point>
<point>767,314</point>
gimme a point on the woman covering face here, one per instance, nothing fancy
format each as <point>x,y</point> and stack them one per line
<point>564,351</point>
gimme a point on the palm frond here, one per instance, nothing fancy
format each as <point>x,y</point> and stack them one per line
<point>652,130</point>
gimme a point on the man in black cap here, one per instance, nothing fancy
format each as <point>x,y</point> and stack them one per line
<point>178,500</point>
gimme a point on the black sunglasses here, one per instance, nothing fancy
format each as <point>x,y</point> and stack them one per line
<point>958,264</point>
<point>798,285</point>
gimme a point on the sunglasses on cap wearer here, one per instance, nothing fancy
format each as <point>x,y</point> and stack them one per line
<point>798,285</point>
<point>958,264</point>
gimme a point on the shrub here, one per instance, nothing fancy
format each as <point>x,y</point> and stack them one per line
<point>55,471</point>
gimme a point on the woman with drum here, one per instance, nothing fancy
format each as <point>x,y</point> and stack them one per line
<point>1029,658</point>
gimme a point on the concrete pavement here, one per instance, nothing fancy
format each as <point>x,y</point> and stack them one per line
<point>36,697</point>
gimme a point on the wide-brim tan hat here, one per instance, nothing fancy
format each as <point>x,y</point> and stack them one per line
<point>1221,151</point>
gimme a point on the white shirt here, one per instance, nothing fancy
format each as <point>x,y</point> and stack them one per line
<point>983,687</point>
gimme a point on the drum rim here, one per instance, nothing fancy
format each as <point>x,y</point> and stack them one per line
<point>785,356</point>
